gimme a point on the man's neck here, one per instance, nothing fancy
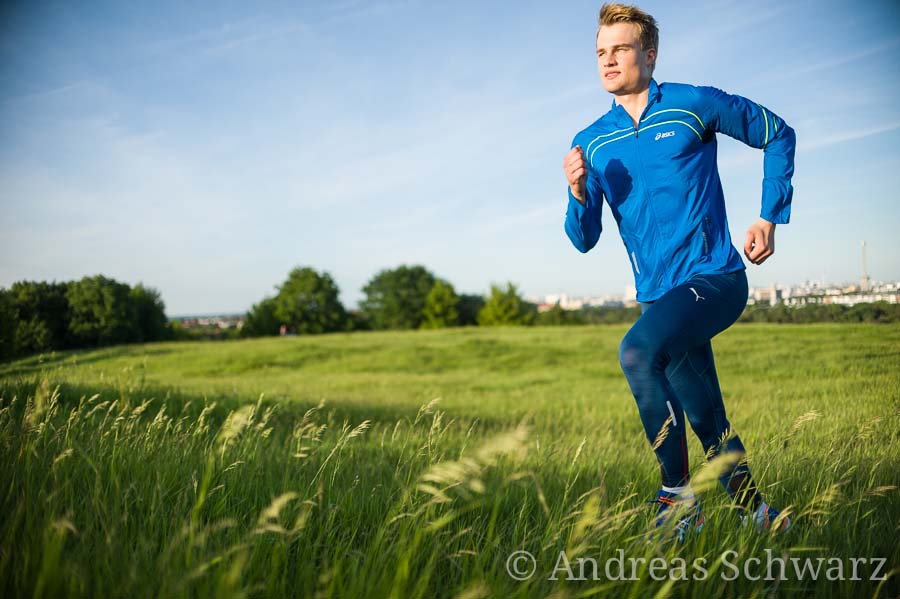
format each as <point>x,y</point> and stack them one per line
<point>635,103</point>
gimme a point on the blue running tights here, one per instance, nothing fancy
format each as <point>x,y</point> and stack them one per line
<point>667,359</point>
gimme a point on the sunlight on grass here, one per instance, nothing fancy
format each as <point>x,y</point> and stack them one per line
<point>414,464</point>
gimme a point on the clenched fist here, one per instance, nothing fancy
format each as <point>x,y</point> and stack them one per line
<point>576,172</point>
<point>760,241</point>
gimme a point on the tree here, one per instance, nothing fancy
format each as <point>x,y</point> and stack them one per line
<point>102,312</point>
<point>150,313</point>
<point>557,316</point>
<point>505,307</point>
<point>42,314</point>
<point>261,320</point>
<point>308,302</point>
<point>9,320</point>
<point>395,299</point>
<point>469,306</point>
<point>440,307</point>
<point>358,321</point>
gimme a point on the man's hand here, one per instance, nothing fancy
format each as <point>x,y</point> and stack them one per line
<point>576,172</point>
<point>760,242</point>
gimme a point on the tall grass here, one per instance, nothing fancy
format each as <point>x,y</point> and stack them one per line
<point>415,464</point>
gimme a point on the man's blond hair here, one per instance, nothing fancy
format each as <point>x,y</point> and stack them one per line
<point>612,13</point>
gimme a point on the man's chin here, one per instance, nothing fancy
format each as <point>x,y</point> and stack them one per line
<point>612,88</point>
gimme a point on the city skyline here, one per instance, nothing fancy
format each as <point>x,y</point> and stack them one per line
<point>208,152</point>
<point>844,292</point>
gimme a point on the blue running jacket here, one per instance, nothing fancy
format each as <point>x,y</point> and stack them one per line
<point>662,183</point>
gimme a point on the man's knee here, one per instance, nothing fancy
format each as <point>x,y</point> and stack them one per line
<point>636,353</point>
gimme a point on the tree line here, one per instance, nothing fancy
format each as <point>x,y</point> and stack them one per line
<point>97,311</point>
<point>875,312</point>
<point>406,297</point>
<point>411,297</point>
<point>92,312</point>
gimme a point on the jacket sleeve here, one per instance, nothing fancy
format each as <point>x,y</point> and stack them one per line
<point>760,128</point>
<point>583,221</point>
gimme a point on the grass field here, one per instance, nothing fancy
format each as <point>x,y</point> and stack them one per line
<point>413,464</point>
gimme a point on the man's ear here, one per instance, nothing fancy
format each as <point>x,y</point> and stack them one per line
<point>651,57</point>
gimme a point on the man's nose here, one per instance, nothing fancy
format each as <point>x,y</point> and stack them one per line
<point>609,60</point>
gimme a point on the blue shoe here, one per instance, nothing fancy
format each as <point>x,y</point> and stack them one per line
<point>767,518</point>
<point>687,512</point>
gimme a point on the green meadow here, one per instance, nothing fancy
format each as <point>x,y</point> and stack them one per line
<point>414,464</point>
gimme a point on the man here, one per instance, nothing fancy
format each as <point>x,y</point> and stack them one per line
<point>653,158</point>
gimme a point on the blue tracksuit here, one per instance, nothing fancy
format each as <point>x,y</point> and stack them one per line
<point>662,183</point>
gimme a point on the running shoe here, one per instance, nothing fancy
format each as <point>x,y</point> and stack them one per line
<point>766,518</point>
<point>687,513</point>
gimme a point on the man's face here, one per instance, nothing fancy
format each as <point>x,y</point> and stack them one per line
<point>624,67</point>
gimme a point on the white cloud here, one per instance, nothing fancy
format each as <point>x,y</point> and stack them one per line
<point>847,135</point>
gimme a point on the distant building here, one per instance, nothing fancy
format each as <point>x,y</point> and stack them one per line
<point>211,321</point>
<point>567,302</point>
<point>807,293</point>
<point>815,293</point>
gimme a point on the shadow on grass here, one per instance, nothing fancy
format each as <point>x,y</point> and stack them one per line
<point>179,403</point>
<point>33,365</point>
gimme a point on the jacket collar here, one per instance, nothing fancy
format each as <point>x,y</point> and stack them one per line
<point>622,117</point>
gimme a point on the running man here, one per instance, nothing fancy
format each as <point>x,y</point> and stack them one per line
<point>653,157</point>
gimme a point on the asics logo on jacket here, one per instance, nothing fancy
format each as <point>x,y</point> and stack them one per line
<point>667,197</point>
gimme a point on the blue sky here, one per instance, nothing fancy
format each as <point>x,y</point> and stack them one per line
<point>206,149</point>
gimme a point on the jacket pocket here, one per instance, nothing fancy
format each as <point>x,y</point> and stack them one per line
<point>634,262</point>
<point>704,231</point>
<point>631,247</point>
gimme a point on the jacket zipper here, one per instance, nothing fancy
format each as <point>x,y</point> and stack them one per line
<point>637,151</point>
